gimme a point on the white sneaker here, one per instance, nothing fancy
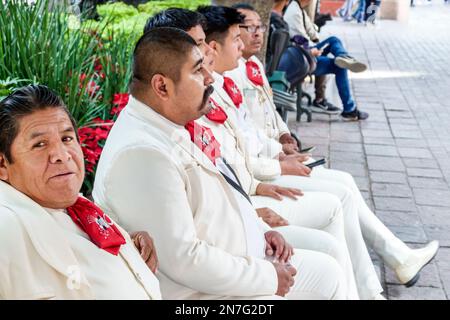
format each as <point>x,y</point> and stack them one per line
<point>350,63</point>
<point>408,273</point>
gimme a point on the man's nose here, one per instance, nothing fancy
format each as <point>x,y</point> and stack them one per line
<point>208,50</point>
<point>208,78</point>
<point>59,153</point>
<point>241,45</point>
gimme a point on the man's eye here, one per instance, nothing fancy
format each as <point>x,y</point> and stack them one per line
<point>67,139</point>
<point>39,144</point>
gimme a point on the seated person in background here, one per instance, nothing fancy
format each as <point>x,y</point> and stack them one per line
<point>300,24</point>
<point>54,243</point>
<point>320,103</point>
<point>211,243</point>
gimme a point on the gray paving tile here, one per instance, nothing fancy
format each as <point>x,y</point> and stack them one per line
<point>441,233</point>
<point>397,204</point>
<point>415,153</point>
<point>432,197</point>
<point>399,218</point>
<point>399,292</point>
<point>424,173</point>
<point>428,183</point>
<point>388,177</point>
<point>385,163</point>
<point>381,150</point>
<point>432,215</point>
<point>346,147</point>
<point>391,190</point>
<point>414,234</point>
<point>420,163</point>
<point>413,143</point>
<point>381,141</point>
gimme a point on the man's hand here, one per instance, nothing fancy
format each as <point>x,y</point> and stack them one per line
<point>285,275</point>
<point>144,243</point>
<point>277,247</point>
<point>277,192</point>
<point>271,217</point>
<point>289,148</point>
<point>287,138</point>
<point>294,167</point>
<point>302,157</point>
<point>316,52</point>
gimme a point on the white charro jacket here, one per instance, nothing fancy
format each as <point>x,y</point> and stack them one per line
<point>36,259</point>
<point>153,178</point>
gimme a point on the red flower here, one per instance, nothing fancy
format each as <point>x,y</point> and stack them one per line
<point>90,138</point>
<point>120,100</point>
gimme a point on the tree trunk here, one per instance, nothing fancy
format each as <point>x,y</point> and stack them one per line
<point>262,7</point>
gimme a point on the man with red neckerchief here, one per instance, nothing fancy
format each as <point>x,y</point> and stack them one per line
<point>54,243</point>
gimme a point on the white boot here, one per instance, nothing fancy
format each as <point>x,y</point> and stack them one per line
<point>408,272</point>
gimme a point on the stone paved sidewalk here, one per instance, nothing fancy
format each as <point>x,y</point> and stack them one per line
<point>400,156</point>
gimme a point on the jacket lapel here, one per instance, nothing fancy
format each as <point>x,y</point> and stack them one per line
<point>227,104</point>
<point>46,236</point>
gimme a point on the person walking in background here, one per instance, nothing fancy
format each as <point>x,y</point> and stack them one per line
<point>345,12</point>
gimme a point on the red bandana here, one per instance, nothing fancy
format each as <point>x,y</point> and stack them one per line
<point>91,219</point>
<point>216,114</point>
<point>233,91</point>
<point>203,138</point>
<point>254,73</point>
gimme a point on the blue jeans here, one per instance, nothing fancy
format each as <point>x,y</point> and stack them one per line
<point>325,65</point>
<point>360,12</point>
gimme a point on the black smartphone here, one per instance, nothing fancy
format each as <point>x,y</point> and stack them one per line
<point>316,163</point>
<point>306,150</point>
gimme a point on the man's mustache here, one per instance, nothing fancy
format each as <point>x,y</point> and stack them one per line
<point>208,92</point>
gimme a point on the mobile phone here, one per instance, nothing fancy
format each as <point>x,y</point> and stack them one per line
<point>316,163</point>
<point>306,150</point>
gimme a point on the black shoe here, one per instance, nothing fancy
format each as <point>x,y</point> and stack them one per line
<point>354,115</point>
<point>325,107</point>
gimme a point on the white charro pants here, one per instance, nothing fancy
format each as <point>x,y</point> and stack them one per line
<point>393,251</point>
<point>315,223</point>
<point>319,277</point>
<point>334,182</point>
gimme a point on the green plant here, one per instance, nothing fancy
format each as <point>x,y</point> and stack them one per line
<point>129,21</point>
<point>9,84</point>
<point>39,44</point>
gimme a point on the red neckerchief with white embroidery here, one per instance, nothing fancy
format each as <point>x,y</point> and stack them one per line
<point>254,73</point>
<point>98,226</point>
<point>216,114</point>
<point>233,91</point>
<point>203,138</point>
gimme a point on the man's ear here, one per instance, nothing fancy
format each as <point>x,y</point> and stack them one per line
<point>159,85</point>
<point>3,168</point>
<point>214,45</point>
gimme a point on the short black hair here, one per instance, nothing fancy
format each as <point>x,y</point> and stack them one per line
<point>20,103</point>
<point>176,18</point>
<point>160,51</point>
<point>219,20</point>
<point>243,5</point>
